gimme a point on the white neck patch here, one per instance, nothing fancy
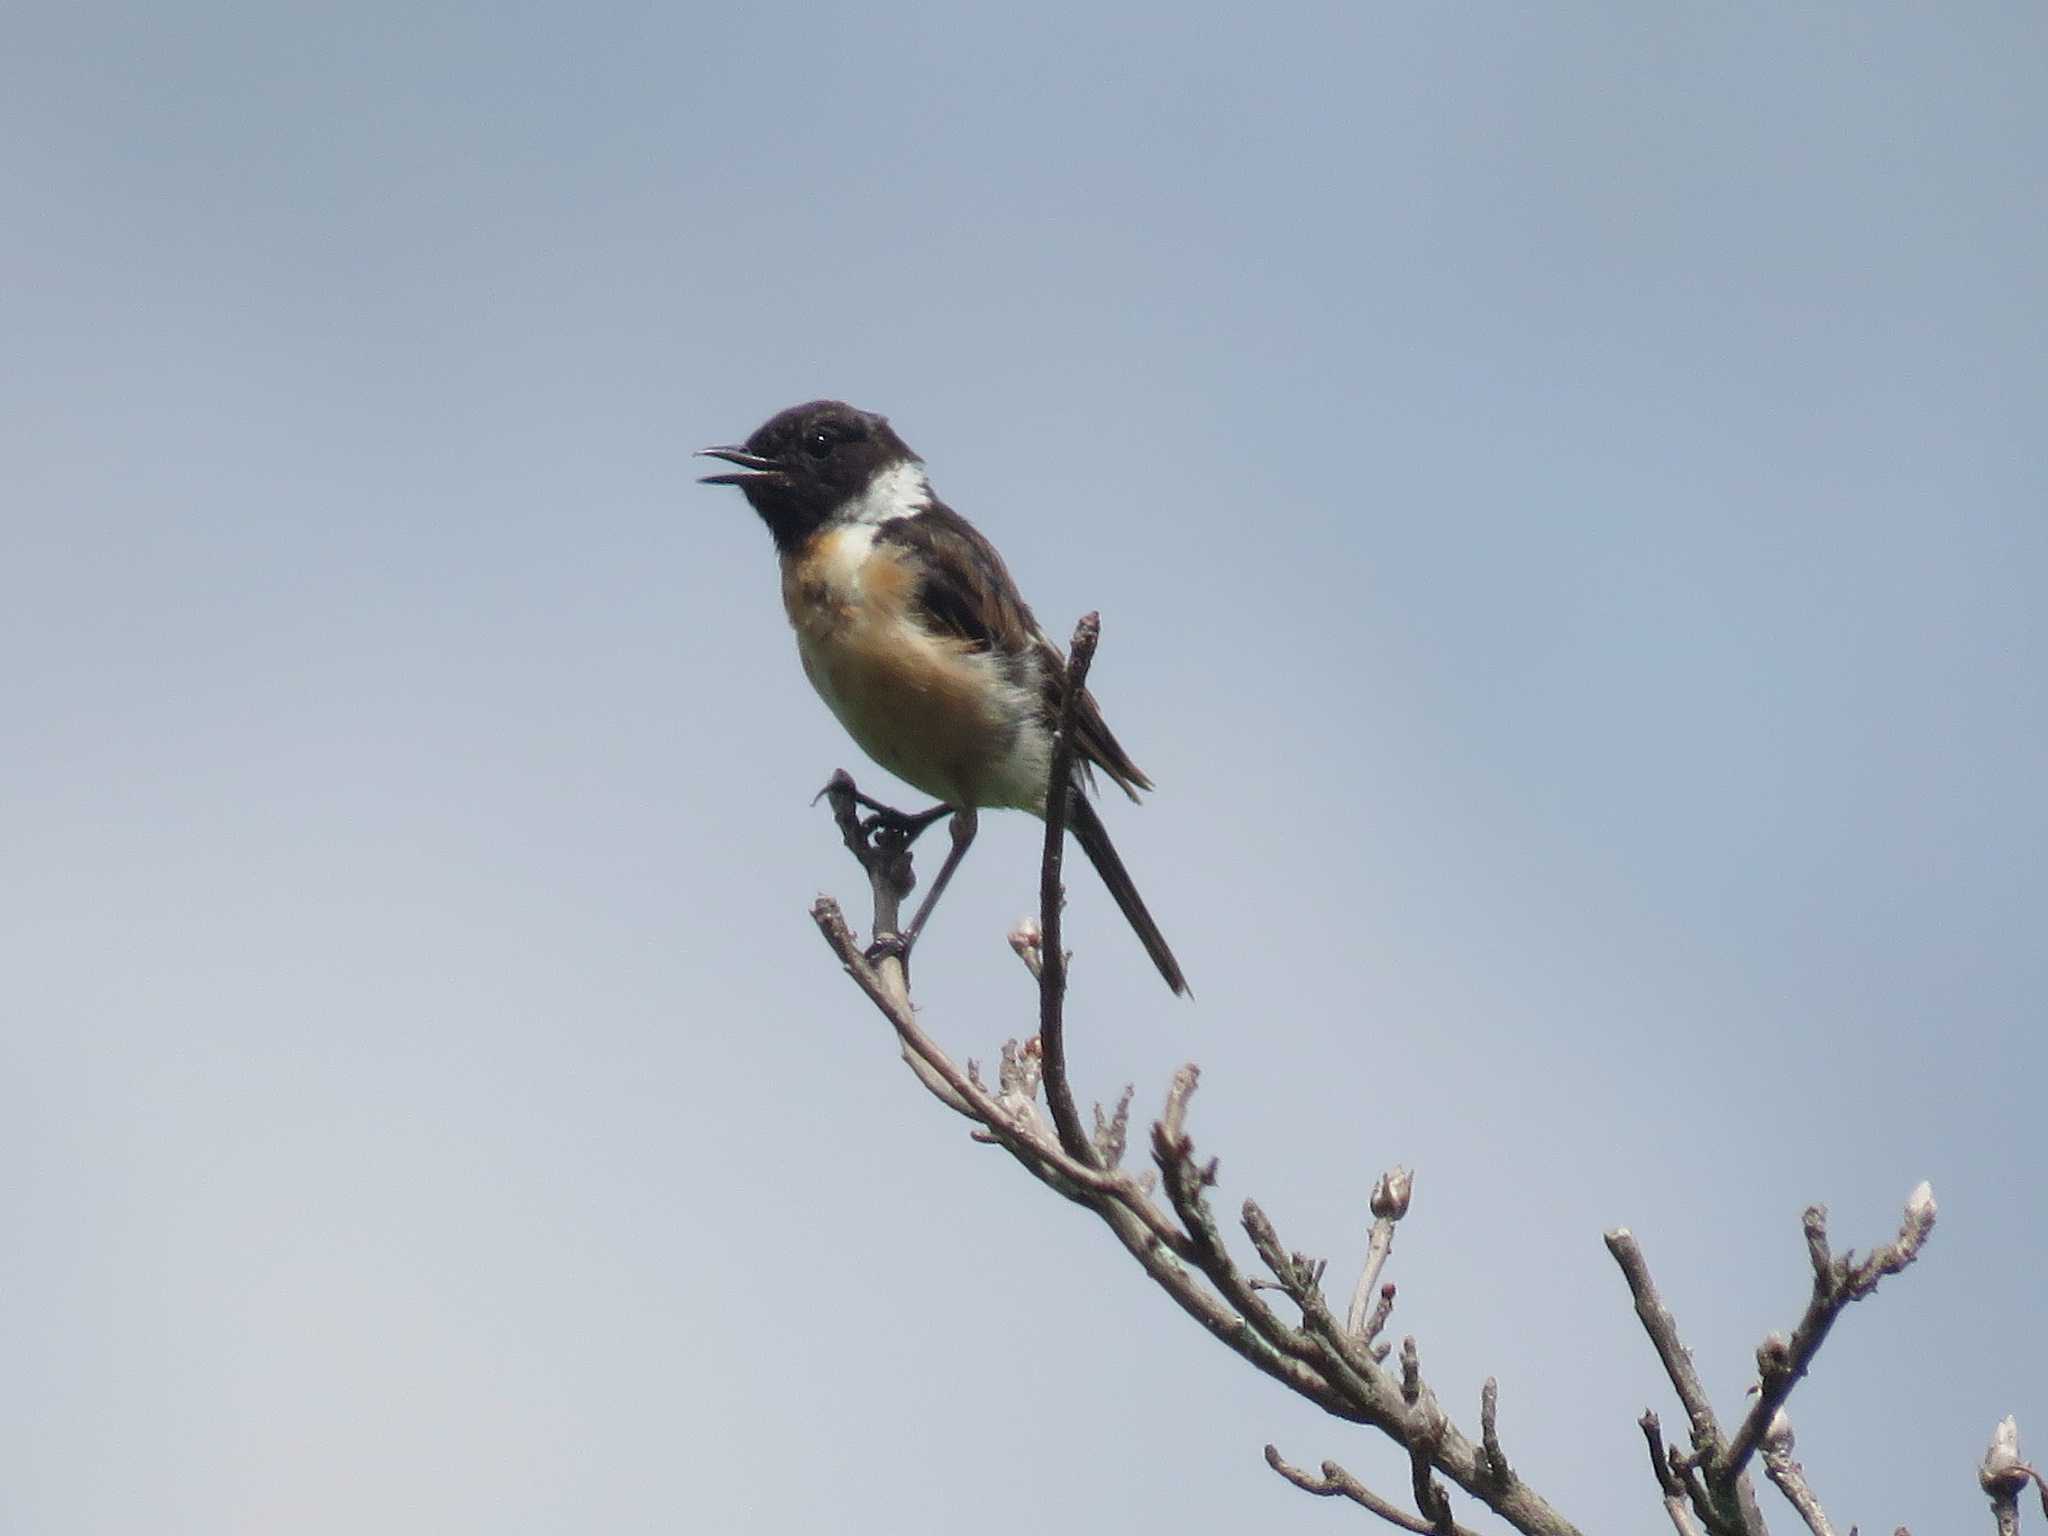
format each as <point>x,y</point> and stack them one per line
<point>898,491</point>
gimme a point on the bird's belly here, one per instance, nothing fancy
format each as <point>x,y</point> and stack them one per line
<point>943,718</point>
<point>958,721</point>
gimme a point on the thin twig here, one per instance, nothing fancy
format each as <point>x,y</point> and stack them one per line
<point>1338,1483</point>
<point>1662,1328</point>
<point>1381,1311</point>
<point>1038,1154</point>
<point>1745,1516</point>
<point>1344,1361</point>
<point>1052,976</point>
<point>1790,1477</point>
<point>1717,1520</point>
<point>1489,1434</point>
<point>887,863</point>
<point>1836,1283</point>
<point>1430,1497</point>
<point>1119,1198</point>
<point>1322,1361</point>
<point>1668,1481</point>
<point>1378,1399</point>
<point>1390,1194</point>
<point>1173,1150</point>
<point>1112,1130</point>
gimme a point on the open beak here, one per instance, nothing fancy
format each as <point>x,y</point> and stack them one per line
<point>760,467</point>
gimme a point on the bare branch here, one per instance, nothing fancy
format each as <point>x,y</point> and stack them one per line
<point>1489,1434</point>
<point>1337,1366</point>
<point>885,859</point>
<point>1182,1250</point>
<point>1836,1283</point>
<point>1337,1483</point>
<point>1430,1497</point>
<point>1052,976</point>
<point>1662,1328</point>
<point>1347,1366</point>
<point>1185,1184</point>
<point>1744,1518</point>
<point>1653,1433</point>
<point>1112,1131</point>
<point>1790,1477</point>
<point>1381,1311</point>
<point>1670,1482</point>
<point>1381,1401</point>
<point>1711,1515</point>
<point>1042,1156</point>
<point>1118,1198</point>
<point>1390,1194</point>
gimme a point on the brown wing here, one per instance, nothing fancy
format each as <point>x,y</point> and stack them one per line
<point>968,592</point>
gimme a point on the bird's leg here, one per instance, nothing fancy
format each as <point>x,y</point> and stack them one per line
<point>963,829</point>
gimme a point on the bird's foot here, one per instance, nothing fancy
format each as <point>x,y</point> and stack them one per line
<point>841,787</point>
<point>890,946</point>
<point>901,828</point>
<point>894,829</point>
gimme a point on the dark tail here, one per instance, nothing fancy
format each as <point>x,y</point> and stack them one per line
<point>1093,837</point>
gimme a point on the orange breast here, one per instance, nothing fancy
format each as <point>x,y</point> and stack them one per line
<point>930,708</point>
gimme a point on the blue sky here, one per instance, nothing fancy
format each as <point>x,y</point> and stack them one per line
<point>1565,492</point>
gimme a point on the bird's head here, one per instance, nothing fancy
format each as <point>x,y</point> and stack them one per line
<point>822,462</point>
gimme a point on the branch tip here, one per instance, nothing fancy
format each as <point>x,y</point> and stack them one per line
<point>1497,1466</point>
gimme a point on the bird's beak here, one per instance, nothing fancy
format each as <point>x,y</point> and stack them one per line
<point>760,467</point>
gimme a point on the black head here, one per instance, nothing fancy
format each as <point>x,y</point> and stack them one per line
<point>806,463</point>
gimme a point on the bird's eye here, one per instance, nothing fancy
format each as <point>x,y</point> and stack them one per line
<point>818,442</point>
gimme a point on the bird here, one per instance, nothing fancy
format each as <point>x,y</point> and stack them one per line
<point>913,632</point>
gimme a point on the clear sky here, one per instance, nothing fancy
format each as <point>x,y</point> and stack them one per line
<point>1565,488</point>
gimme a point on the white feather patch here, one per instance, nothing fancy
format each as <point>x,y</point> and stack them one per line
<point>898,491</point>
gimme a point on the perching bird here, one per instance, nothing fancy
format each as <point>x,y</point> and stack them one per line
<point>914,634</point>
